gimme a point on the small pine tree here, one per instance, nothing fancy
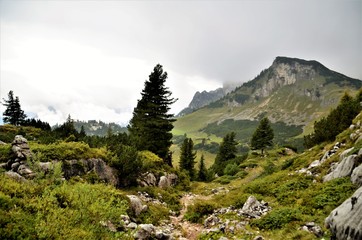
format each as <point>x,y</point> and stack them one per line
<point>187,157</point>
<point>82,133</point>
<point>263,136</point>
<point>151,124</point>
<point>13,113</point>
<point>227,152</point>
<point>202,174</point>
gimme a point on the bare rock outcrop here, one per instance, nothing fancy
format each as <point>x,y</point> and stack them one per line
<point>356,177</point>
<point>104,172</point>
<point>345,222</point>
<point>343,168</point>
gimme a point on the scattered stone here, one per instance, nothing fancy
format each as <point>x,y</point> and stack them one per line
<point>108,224</point>
<point>145,231</point>
<point>136,205</point>
<point>24,170</point>
<point>211,221</point>
<point>313,228</point>
<point>345,222</point>
<point>132,225</point>
<point>125,219</point>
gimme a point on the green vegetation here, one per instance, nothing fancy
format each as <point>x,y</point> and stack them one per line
<point>44,210</point>
<point>67,151</point>
<point>244,130</point>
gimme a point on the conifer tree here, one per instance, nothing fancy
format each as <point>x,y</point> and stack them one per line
<point>227,151</point>
<point>202,174</point>
<point>13,113</point>
<point>187,157</point>
<point>263,136</point>
<point>151,124</point>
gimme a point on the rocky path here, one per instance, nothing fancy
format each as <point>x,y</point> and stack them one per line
<point>188,230</point>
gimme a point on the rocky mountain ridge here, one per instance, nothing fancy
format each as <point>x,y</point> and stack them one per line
<point>293,91</point>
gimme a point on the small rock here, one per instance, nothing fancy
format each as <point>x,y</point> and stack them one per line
<point>258,238</point>
<point>15,166</point>
<point>15,176</point>
<point>132,225</point>
<point>145,231</point>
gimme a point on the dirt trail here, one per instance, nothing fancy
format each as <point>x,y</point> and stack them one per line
<point>188,230</point>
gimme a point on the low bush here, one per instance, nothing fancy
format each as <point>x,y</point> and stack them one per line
<point>196,212</point>
<point>39,210</point>
<point>278,218</point>
<point>68,151</point>
<point>5,153</point>
<point>231,169</point>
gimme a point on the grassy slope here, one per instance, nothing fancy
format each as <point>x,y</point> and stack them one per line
<point>289,194</point>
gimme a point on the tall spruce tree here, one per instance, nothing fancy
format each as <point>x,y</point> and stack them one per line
<point>263,136</point>
<point>13,113</point>
<point>227,151</point>
<point>187,157</point>
<point>151,124</point>
<point>202,174</point>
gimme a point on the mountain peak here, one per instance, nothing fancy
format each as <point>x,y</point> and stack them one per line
<point>296,61</point>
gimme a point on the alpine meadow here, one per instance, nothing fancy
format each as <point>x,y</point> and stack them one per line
<point>139,120</point>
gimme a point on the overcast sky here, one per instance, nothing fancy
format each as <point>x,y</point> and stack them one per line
<point>90,59</point>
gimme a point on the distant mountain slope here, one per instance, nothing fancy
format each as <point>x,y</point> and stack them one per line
<point>293,91</point>
<point>98,128</point>
<point>202,99</point>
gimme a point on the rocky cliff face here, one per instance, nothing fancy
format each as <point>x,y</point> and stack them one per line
<point>202,99</point>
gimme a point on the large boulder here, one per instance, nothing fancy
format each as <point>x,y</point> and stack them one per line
<point>104,172</point>
<point>343,169</point>
<point>345,222</point>
<point>356,177</point>
<point>147,179</point>
<point>136,205</point>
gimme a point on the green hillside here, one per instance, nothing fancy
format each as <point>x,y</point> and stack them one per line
<point>292,93</point>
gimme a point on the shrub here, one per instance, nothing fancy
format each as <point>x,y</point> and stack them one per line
<point>231,169</point>
<point>331,194</point>
<point>67,151</point>
<point>64,211</point>
<point>5,153</point>
<point>196,212</point>
<point>278,218</point>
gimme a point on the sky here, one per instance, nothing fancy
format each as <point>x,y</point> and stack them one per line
<point>90,59</point>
